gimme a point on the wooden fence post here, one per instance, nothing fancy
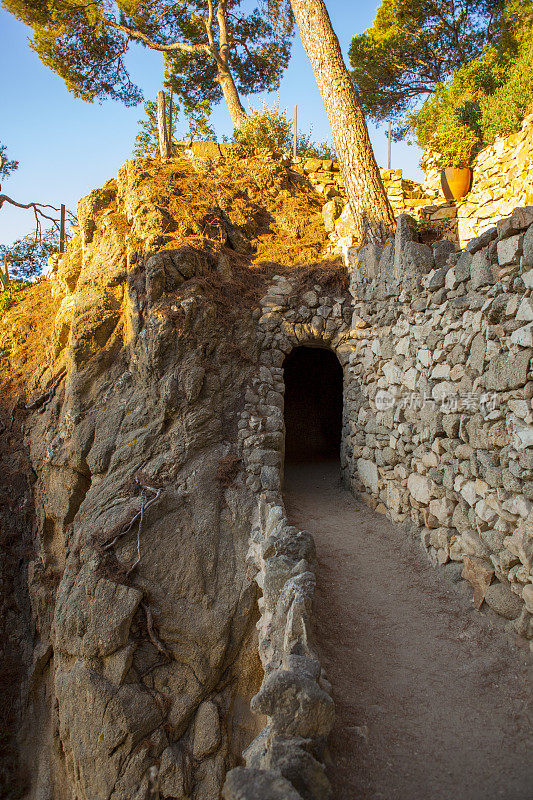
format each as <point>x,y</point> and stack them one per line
<point>294,133</point>
<point>62,230</point>
<point>162,125</point>
<point>4,274</point>
<point>170,123</point>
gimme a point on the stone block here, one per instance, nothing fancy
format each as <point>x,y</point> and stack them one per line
<point>404,234</point>
<point>509,250</point>
<point>442,251</point>
<point>438,279</point>
<point>525,310</point>
<point>369,258</point>
<point>481,271</point>
<point>520,218</point>
<point>312,165</point>
<point>508,371</point>
<point>442,509</point>
<point>420,487</point>
<point>523,336</point>
<point>481,241</point>
<point>442,212</point>
<point>527,277</point>
<point>296,704</point>
<point>503,601</point>
<point>368,473</point>
<point>416,260</point>
<point>527,247</point>
<point>479,574</point>
<point>330,213</point>
<point>462,268</point>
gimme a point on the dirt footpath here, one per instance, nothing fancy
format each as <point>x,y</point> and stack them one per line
<point>431,696</point>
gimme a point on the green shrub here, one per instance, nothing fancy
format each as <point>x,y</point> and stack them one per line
<point>486,98</point>
<point>12,295</point>
<point>266,127</point>
<point>504,110</point>
<point>269,127</point>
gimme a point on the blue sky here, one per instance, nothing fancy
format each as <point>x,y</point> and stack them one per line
<point>66,147</point>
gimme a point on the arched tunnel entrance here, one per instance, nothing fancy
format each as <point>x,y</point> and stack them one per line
<point>313,405</point>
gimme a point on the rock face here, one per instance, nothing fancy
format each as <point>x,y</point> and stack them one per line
<point>154,616</point>
<point>143,604</point>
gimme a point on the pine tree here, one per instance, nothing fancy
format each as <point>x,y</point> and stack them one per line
<point>372,212</point>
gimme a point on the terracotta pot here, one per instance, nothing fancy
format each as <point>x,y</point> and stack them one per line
<point>456,182</point>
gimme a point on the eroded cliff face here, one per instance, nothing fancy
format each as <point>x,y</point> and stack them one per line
<point>142,624</point>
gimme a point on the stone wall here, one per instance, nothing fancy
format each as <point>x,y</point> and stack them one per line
<point>286,759</point>
<point>294,696</point>
<point>439,428</point>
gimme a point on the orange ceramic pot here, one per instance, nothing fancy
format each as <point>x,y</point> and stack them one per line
<point>456,182</point>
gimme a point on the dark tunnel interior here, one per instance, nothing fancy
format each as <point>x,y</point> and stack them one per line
<point>313,405</point>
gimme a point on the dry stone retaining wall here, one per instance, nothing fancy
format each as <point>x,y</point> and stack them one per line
<point>442,435</point>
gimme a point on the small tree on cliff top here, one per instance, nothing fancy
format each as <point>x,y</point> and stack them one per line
<point>214,49</point>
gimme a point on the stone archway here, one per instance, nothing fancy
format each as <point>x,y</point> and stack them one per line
<point>313,404</point>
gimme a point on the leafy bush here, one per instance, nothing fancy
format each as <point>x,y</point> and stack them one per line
<point>267,127</point>
<point>12,295</point>
<point>504,109</point>
<point>488,97</point>
<point>270,128</point>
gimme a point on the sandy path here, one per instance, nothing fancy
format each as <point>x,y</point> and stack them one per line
<point>431,696</point>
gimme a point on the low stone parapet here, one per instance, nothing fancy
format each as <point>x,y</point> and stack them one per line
<point>294,696</point>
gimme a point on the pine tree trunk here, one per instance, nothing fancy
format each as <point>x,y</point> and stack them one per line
<point>373,214</point>
<point>231,96</point>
